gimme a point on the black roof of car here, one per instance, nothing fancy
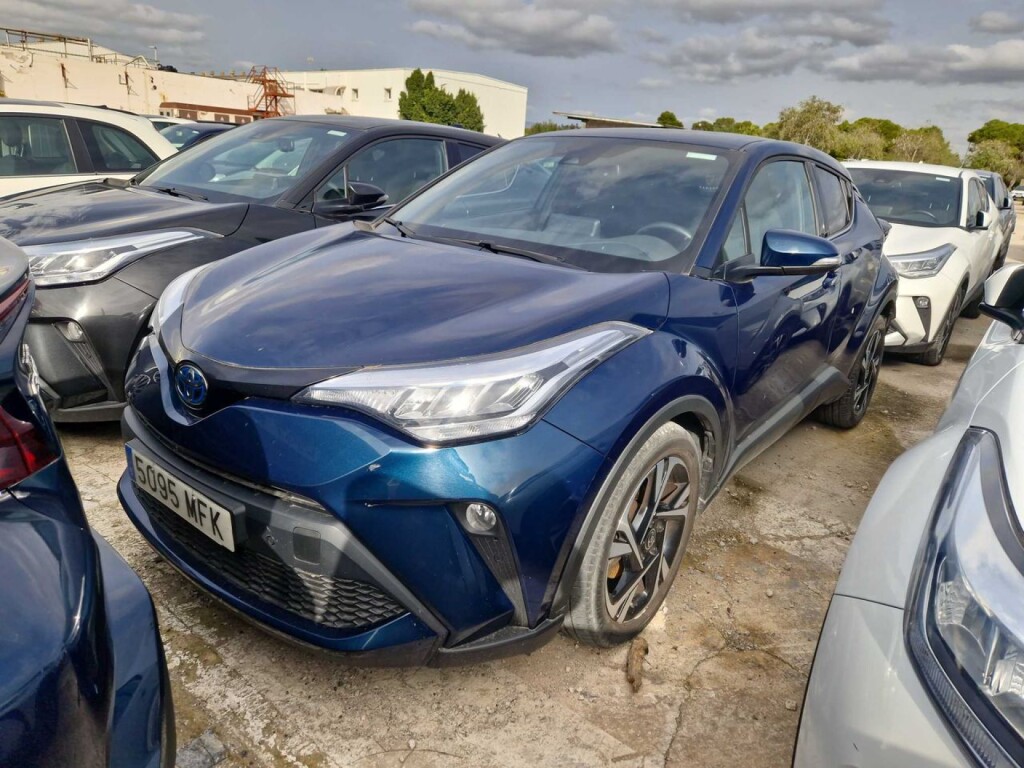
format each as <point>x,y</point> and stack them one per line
<point>357,123</point>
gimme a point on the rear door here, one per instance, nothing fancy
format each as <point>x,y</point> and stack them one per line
<point>36,151</point>
<point>785,322</point>
<point>983,243</point>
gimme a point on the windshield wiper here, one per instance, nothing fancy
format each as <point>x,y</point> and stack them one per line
<point>487,245</point>
<point>403,230</point>
<point>175,192</point>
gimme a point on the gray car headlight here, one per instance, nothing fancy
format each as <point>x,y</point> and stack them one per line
<point>924,264</point>
<point>965,620</point>
<point>86,261</point>
<point>475,397</point>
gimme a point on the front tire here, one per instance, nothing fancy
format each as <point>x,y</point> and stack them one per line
<point>934,354</point>
<point>848,411</point>
<point>638,546</point>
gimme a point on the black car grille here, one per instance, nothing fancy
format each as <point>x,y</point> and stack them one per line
<point>327,601</point>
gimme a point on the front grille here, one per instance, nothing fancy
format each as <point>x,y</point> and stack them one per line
<point>325,600</point>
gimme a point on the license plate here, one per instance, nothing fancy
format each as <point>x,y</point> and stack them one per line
<point>195,508</point>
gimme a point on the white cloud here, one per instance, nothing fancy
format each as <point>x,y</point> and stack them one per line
<point>726,11</point>
<point>999,64</point>
<point>653,83</point>
<point>533,28</point>
<point>997,23</point>
<point>747,55</point>
<point>119,24</point>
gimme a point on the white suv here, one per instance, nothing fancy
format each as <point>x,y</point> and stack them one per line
<point>43,144</point>
<point>944,241</point>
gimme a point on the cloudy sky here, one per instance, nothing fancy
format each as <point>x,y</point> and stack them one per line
<point>915,61</point>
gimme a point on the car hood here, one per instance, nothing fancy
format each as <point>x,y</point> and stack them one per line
<point>906,238</point>
<point>365,299</point>
<point>104,208</point>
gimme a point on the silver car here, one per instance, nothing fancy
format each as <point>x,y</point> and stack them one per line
<point>921,658</point>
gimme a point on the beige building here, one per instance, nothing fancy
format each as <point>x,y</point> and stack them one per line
<point>375,92</point>
<point>59,68</point>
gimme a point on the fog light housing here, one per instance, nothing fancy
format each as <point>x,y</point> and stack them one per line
<point>71,331</point>
<point>922,302</point>
<point>479,518</point>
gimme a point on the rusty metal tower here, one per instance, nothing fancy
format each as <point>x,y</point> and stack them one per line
<point>270,94</point>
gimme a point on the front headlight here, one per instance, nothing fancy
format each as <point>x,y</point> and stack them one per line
<point>86,261</point>
<point>475,397</point>
<point>923,264</point>
<point>965,621</point>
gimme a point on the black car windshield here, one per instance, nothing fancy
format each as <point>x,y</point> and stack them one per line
<point>600,203</point>
<point>910,197</point>
<point>256,162</point>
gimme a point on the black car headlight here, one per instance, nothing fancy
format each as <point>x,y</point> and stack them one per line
<point>965,619</point>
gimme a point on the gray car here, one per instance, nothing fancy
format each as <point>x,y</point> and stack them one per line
<point>921,658</point>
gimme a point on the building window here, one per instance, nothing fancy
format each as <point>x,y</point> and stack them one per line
<point>355,94</point>
<point>387,94</point>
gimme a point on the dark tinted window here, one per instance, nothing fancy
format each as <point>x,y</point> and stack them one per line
<point>976,199</point>
<point>910,197</point>
<point>34,146</point>
<point>398,166</point>
<point>779,197</point>
<point>113,150</point>
<point>835,203</point>
<point>466,151</point>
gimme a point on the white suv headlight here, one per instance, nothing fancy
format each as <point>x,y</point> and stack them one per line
<point>475,397</point>
<point>965,623</point>
<point>86,261</point>
<point>923,264</point>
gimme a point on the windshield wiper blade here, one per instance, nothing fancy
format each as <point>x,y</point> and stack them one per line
<point>403,230</point>
<point>175,192</point>
<point>487,245</point>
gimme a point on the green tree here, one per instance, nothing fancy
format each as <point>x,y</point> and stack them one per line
<point>668,119</point>
<point>813,121</point>
<point>861,143</point>
<point>923,145</point>
<point>425,101</point>
<point>548,125</point>
<point>999,130</point>
<point>999,156</point>
<point>732,125</point>
<point>885,128</point>
<point>703,125</point>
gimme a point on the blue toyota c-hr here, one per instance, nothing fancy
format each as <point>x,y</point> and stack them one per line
<point>442,436</point>
<point>82,676</point>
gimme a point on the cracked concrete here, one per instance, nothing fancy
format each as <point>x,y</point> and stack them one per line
<point>729,652</point>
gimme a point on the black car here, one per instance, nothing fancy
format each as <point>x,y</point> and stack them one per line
<point>101,253</point>
<point>185,135</point>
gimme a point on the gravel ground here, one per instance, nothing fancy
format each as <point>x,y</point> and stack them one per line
<point>729,652</point>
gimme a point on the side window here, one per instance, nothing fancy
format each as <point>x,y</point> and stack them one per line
<point>467,151</point>
<point>113,150</point>
<point>835,203</point>
<point>779,197</point>
<point>975,199</point>
<point>34,146</point>
<point>1001,193</point>
<point>398,166</point>
<point>735,245</point>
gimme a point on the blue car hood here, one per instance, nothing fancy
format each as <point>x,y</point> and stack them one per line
<point>365,299</point>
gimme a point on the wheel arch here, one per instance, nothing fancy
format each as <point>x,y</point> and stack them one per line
<point>695,413</point>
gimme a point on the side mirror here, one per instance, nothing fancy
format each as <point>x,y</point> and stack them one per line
<point>785,252</point>
<point>361,197</point>
<point>1006,204</point>
<point>982,220</point>
<point>1004,296</point>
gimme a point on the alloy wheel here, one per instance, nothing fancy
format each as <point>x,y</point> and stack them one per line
<point>949,322</point>
<point>867,375</point>
<point>648,540</point>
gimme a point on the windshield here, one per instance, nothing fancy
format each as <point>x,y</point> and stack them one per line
<point>604,204</point>
<point>910,197</point>
<point>255,162</point>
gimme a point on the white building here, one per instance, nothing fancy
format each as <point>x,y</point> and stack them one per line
<point>375,92</point>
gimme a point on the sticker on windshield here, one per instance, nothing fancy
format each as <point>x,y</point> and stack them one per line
<point>701,156</point>
<point>337,133</point>
<point>942,178</point>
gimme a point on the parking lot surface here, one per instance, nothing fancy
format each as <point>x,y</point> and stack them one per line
<point>729,652</point>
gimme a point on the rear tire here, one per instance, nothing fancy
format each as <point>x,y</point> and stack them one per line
<point>640,540</point>
<point>848,411</point>
<point>973,309</point>
<point>934,354</point>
